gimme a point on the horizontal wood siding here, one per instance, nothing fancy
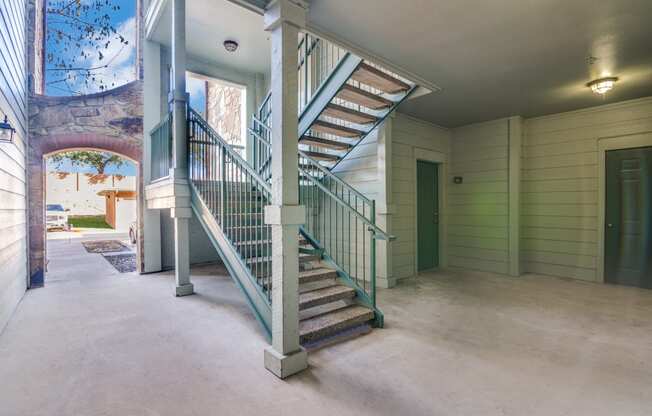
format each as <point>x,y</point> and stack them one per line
<point>13,205</point>
<point>559,215</point>
<point>478,231</point>
<point>409,137</point>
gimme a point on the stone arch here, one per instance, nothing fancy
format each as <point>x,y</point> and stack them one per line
<point>110,121</point>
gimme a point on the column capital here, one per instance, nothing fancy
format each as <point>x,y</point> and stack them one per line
<point>285,11</point>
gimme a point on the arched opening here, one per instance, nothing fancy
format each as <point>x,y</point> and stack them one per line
<point>91,213</point>
<point>115,197</point>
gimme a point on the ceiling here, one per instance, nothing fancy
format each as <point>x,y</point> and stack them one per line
<point>491,59</point>
<point>502,57</point>
<point>210,23</point>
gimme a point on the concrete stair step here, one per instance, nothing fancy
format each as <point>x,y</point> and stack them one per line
<point>317,274</point>
<point>303,258</point>
<point>331,323</point>
<point>325,295</point>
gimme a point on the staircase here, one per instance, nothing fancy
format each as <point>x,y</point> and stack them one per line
<point>342,99</point>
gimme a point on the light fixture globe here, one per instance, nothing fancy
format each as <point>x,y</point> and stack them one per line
<point>603,85</point>
<point>230,45</point>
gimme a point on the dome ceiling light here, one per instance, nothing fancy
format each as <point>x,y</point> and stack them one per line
<point>602,85</point>
<point>230,45</point>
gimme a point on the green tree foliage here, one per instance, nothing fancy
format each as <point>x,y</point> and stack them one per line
<point>97,160</point>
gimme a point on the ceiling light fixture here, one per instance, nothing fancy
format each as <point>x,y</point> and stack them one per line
<point>230,45</point>
<point>603,85</point>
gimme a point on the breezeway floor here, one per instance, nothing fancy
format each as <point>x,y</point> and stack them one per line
<point>97,342</point>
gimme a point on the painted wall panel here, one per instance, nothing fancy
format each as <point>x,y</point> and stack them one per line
<point>13,182</point>
<point>559,211</point>
<point>479,207</point>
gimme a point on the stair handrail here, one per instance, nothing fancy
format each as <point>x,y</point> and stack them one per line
<point>225,182</point>
<point>228,146</point>
<point>379,234</point>
<point>334,177</point>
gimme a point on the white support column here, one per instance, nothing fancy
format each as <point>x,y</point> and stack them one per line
<point>384,204</point>
<point>152,116</point>
<point>182,252</point>
<point>285,356</point>
<point>179,171</point>
<point>515,133</point>
<point>180,152</point>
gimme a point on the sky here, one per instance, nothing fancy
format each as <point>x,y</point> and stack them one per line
<point>121,58</point>
<point>121,61</point>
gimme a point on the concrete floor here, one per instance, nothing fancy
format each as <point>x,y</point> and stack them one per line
<point>95,342</point>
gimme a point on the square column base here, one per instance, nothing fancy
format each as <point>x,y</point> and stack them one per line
<point>283,366</point>
<point>185,290</point>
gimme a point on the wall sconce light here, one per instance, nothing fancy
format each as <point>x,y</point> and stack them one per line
<point>603,85</point>
<point>6,132</point>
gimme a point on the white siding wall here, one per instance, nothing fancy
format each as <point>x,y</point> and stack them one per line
<point>410,136</point>
<point>478,226</point>
<point>360,167</point>
<point>13,199</point>
<point>560,185</point>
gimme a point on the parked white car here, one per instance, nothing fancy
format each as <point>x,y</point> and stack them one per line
<point>56,216</point>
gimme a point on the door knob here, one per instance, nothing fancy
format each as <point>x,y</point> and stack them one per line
<point>610,225</point>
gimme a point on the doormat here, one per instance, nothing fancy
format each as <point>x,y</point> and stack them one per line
<point>124,263</point>
<point>104,246</point>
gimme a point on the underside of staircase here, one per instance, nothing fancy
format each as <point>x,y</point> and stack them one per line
<point>349,113</point>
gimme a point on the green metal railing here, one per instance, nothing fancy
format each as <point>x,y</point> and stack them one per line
<point>341,222</point>
<point>236,196</point>
<point>161,142</point>
<point>260,132</point>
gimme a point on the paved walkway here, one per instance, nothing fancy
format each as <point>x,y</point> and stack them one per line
<point>95,342</point>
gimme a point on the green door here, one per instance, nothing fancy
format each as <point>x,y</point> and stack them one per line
<point>427,216</point>
<point>628,217</point>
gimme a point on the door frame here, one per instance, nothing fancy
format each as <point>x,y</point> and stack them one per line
<point>441,160</point>
<point>629,141</point>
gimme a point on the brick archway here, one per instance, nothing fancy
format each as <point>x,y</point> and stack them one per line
<point>110,121</point>
<point>37,170</point>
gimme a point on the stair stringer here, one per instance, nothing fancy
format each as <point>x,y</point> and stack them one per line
<point>234,264</point>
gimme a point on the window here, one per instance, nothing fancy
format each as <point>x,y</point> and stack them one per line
<point>222,104</point>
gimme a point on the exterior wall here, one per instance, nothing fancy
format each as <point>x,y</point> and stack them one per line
<point>411,138</point>
<point>478,223</point>
<point>75,192</point>
<point>108,121</point>
<point>13,177</point>
<point>559,213</point>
